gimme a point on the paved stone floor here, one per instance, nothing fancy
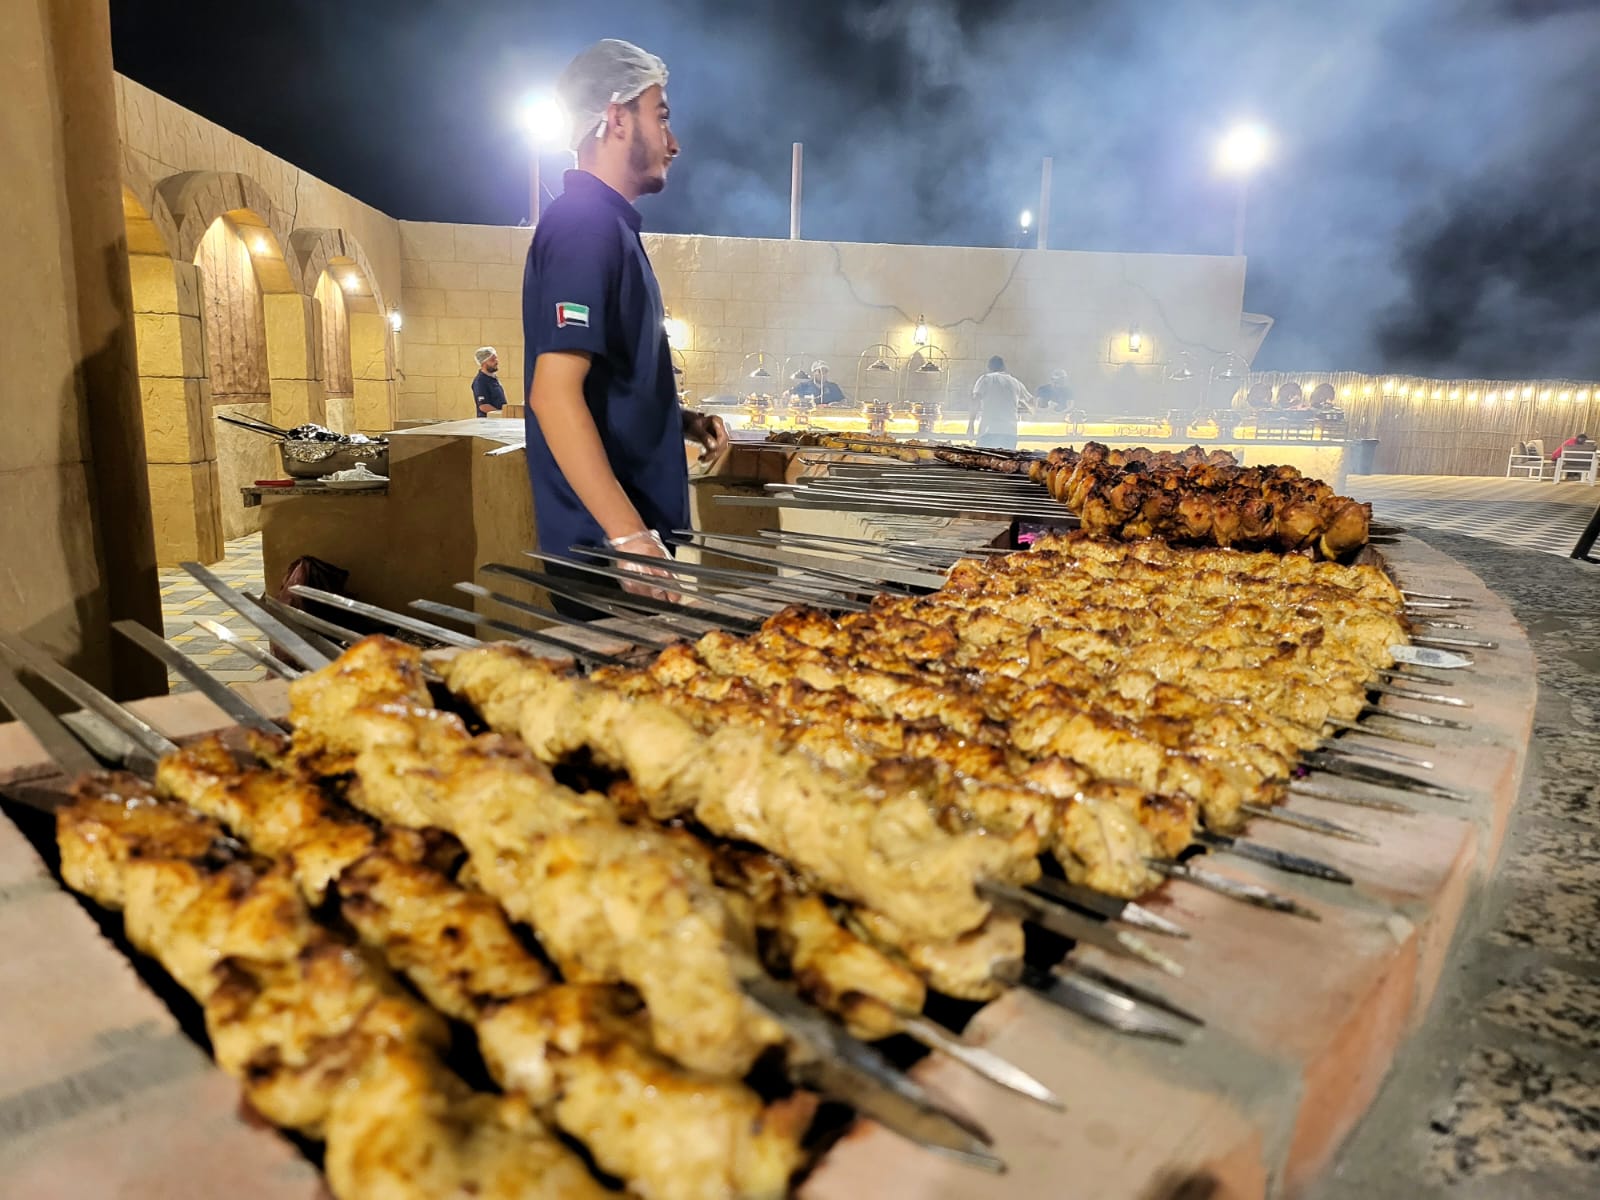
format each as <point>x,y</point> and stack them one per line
<point>183,599</point>
<point>1499,1095</point>
<point>1515,512</point>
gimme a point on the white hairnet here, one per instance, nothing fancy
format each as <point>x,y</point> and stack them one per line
<point>609,72</point>
<point>483,354</point>
<point>818,366</point>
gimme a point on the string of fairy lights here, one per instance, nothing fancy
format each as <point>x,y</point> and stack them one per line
<point>1350,387</point>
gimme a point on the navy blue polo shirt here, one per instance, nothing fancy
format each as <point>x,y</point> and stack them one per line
<point>486,389</point>
<point>589,286</point>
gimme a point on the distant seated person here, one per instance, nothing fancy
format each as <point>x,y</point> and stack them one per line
<point>1581,442</point>
<point>1055,396</point>
<point>818,387</point>
<point>1291,397</point>
<point>1258,398</point>
<point>487,395</point>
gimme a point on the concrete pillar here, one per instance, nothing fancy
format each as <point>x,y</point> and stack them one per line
<point>180,436</point>
<point>372,364</point>
<point>294,359</point>
<point>75,532</point>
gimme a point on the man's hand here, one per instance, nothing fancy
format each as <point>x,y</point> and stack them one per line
<point>710,432</point>
<point>486,409</point>
<point>646,543</point>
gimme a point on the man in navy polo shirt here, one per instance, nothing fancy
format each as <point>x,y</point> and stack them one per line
<point>605,429</point>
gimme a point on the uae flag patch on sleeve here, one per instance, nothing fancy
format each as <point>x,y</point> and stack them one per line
<point>568,313</point>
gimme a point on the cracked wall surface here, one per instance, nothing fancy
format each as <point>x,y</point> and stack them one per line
<point>801,301</point>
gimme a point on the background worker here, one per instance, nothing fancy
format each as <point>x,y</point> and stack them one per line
<point>995,400</point>
<point>487,394</point>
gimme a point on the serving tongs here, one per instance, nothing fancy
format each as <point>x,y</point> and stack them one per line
<point>832,1060</point>
<point>254,425</point>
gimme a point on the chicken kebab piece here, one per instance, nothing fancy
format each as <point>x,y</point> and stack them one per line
<point>580,1054</point>
<point>1121,496</point>
<point>871,842</point>
<point>322,1041</point>
<point>648,912</point>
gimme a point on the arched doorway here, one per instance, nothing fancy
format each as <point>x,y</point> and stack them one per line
<point>356,331</point>
<point>232,256</point>
<point>337,380</point>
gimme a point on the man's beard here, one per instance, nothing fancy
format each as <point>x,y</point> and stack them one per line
<point>639,163</point>
<point>494,370</point>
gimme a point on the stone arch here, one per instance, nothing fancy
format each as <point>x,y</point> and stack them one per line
<point>195,199</point>
<point>357,338</point>
<point>261,326</point>
<point>174,388</point>
<point>150,227</point>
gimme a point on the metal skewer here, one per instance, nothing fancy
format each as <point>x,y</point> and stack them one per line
<point>1310,824</point>
<point>57,741</point>
<point>322,633</point>
<point>1085,996</point>
<point>249,649</point>
<point>651,635</point>
<point>1317,760</point>
<point>1311,791</point>
<point>1283,860</point>
<point>233,706</point>
<point>787,589</point>
<point>1372,731</point>
<point>1063,921</point>
<point>693,621</point>
<point>883,577</point>
<point>1112,908</point>
<point>976,1058</point>
<point>745,603</point>
<point>294,645</point>
<point>144,735</point>
<point>848,1068</point>
<point>1345,748</point>
<point>1411,694</point>
<point>1247,893</point>
<point>1414,718</point>
<point>427,629</point>
<point>549,640</point>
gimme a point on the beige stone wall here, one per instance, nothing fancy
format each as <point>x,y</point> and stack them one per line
<point>76,549</point>
<point>161,139</point>
<point>461,289</point>
<point>805,300</point>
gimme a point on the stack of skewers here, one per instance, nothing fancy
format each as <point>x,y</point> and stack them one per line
<point>845,804</point>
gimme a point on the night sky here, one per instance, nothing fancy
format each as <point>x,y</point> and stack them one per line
<point>1433,203</point>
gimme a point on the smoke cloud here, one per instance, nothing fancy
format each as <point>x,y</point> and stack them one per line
<point>1428,206</point>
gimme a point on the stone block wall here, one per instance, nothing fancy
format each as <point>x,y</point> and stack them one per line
<point>461,288</point>
<point>800,301</point>
<point>75,536</point>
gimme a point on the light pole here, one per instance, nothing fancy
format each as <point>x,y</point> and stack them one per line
<point>544,122</point>
<point>1242,149</point>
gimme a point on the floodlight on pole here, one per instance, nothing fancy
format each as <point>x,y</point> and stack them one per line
<point>1026,220</point>
<point>545,123</point>
<point>1242,150</point>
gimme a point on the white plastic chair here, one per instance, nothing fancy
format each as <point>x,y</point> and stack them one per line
<point>1576,464</point>
<point>1528,461</point>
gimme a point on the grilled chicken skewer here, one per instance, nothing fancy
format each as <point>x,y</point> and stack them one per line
<point>291,1010</point>
<point>579,1053</point>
